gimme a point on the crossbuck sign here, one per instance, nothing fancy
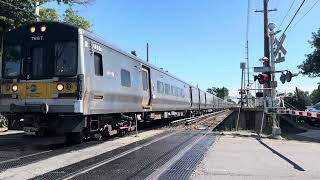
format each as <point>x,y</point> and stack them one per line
<point>279,45</point>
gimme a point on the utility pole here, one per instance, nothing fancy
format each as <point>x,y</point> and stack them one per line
<point>242,67</point>
<point>248,73</point>
<point>266,59</point>
<point>265,12</point>
<point>247,41</point>
<point>247,53</point>
<point>37,11</point>
<point>266,31</point>
<point>247,58</point>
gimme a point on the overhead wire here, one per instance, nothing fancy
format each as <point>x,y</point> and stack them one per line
<point>304,15</point>
<point>295,14</point>
<point>287,13</point>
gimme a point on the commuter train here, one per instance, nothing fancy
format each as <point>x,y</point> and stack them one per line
<point>62,79</point>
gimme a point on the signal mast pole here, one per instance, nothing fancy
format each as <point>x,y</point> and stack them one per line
<point>37,10</point>
<point>270,94</point>
<point>266,31</point>
<point>266,58</point>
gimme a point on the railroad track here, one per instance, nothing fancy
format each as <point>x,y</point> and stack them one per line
<point>160,156</point>
<point>192,120</point>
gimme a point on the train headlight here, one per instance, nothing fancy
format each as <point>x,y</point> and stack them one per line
<point>14,88</point>
<point>43,28</point>
<point>32,29</point>
<point>60,87</point>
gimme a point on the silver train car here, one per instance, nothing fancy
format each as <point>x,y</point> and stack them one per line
<point>62,79</point>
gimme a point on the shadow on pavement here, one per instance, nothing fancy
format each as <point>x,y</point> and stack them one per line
<point>295,166</point>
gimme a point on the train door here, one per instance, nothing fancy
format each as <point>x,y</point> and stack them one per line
<point>36,68</point>
<point>205,99</point>
<point>191,99</point>
<point>199,98</point>
<point>146,90</point>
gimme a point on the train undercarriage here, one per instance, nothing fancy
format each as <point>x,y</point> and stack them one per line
<point>78,128</point>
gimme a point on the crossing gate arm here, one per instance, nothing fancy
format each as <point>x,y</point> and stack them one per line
<point>301,113</point>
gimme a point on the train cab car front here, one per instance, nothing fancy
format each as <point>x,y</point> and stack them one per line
<point>42,82</point>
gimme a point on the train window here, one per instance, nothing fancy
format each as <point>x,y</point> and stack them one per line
<point>145,83</point>
<point>167,89</point>
<point>182,93</point>
<point>173,89</point>
<point>37,62</point>
<point>66,58</point>
<point>98,66</point>
<point>125,78</point>
<point>12,59</point>
<point>160,87</point>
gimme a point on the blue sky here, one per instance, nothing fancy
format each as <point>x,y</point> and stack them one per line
<point>203,41</point>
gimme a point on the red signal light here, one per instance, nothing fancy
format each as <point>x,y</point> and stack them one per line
<point>263,78</point>
<point>266,77</point>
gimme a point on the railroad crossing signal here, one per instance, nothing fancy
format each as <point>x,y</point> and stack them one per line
<point>287,77</point>
<point>279,45</point>
<point>283,78</point>
<point>263,78</point>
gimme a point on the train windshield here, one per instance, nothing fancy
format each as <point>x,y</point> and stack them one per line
<point>38,64</point>
<point>65,58</point>
<point>13,59</point>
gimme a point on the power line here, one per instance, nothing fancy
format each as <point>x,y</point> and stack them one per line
<point>295,14</point>
<point>304,15</point>
<point>286,14</point>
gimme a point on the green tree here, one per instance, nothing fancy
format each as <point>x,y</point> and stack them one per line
<point>219,92</point>
<point>315,95</point>
<point>299,99</point>
<point>49,14</point>
<point>14,13</point>
<point>72,17</point>
<point>311,66</point>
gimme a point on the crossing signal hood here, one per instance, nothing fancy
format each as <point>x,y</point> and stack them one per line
<point>286,77</point>
<point>263,78</point>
